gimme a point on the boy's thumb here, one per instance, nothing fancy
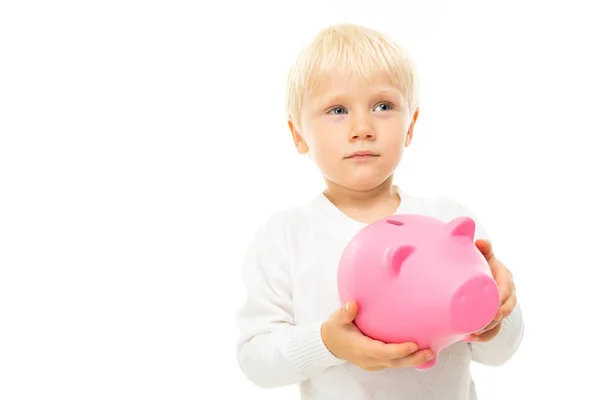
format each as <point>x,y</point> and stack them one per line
<point>348,312</point>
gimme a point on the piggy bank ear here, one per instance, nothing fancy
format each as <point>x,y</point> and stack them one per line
<point>396,257</point>
<point>462,227</point>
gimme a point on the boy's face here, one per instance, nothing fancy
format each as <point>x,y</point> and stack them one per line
<point>350,116</point>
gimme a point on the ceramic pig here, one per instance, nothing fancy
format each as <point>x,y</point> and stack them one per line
<point>416,278</point>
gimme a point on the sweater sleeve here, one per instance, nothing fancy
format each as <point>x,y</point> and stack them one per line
<point>271,350</point>
<point>502,348</point>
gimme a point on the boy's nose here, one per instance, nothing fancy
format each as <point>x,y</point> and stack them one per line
<point>362,131</point>
<point>366,135</point>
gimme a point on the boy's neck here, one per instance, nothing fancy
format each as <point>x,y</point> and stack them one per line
<point>365,206</point>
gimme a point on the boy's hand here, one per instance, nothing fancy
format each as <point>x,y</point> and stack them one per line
<point>345,341</point>
<point>508,296</point>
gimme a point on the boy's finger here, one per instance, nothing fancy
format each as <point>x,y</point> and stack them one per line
<point>391,351</point>
<point>487,335</point>
<point>347,313</point>
<point>412,360</point>
<point>485,247</point>
<point>490,326</point>
<point>510,304</point>
<point>504,281</point>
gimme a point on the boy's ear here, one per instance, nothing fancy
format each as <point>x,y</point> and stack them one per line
<point>299,142</point>
<point>411,128</point>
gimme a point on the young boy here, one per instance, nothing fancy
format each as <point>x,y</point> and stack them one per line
<point>352,105</point>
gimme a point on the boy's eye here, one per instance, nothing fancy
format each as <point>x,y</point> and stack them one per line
<point>341,110</point>
<point>386,107</point>
<point>337,110</point>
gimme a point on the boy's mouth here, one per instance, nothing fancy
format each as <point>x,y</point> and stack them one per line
<point>362,154</point>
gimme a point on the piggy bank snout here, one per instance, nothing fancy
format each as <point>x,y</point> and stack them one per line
<point>474,304</point>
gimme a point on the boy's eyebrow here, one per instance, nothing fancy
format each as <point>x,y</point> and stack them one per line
<point>327,100</point>
<point>389,90</point>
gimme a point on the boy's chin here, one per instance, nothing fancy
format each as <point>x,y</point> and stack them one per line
<point>364,183</point>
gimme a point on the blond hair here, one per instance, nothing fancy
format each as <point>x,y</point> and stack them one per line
<point>354,49</point>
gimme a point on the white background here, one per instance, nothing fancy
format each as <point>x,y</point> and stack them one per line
<point>141,144</point>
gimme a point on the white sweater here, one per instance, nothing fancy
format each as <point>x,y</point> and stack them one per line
<point>289,273</point>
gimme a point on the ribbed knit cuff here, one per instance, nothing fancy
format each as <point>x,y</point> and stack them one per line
<point>308,353</point>
<point>502,347</point>
<point>511,332</point>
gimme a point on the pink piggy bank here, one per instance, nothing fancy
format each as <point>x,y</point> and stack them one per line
<point>416,278</point>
